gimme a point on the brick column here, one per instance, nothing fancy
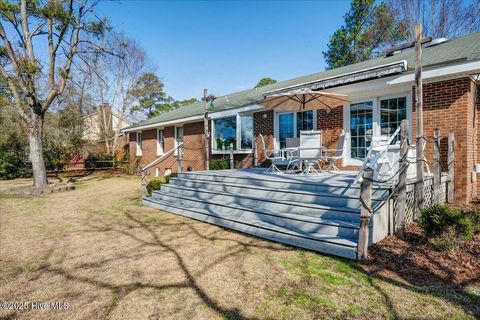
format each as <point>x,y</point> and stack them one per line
<point>450,105</point>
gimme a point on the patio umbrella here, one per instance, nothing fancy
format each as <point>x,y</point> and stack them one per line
<point>303,99</point>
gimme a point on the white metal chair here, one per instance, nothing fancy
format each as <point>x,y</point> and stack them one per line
<point>377,158</point>
<point>332,155</point>
<point>311,150</point>
<point>275,156</point>
<point>291,153</point>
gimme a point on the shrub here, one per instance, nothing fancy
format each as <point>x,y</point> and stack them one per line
<point>448,227</point>
<point>12,151</point>
<point>172,175</point>
<point>219,164</point>
<point>11,166</point>
<point>155,184</point>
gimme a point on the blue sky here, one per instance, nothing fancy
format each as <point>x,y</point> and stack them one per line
<point>227,46</point>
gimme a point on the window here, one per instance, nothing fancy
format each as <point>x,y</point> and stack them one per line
<point>139,143</point>
<point>178,137</point>
<point>225,132</point>
<point>160,142</point>
<point>304,121</point>
<point>392,112</point>
<point>285,128</point>
<point>246,132</point>
<point>291,123</point>
<point>237,130</point>
<point>361,128</point>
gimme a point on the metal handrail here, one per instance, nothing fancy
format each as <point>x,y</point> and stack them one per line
<point>162,157</point>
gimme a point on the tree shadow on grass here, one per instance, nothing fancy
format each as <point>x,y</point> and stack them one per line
<point>144,234</point>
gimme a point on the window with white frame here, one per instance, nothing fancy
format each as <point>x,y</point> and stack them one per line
<point>236,130</point>
<point>291,123</point>
<point>160,142</point>
<point>392,112</point>
<point>246,132</point>
<point>178,137</point>
<point>139,143</point>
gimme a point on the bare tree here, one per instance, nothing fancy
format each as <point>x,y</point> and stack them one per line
<point>114,80</point>
<point>68,29</point>
<point>439,18</point>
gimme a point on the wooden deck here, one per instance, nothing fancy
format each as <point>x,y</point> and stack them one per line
<point>320,213</point>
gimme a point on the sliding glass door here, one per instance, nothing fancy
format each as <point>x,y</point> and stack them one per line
<point>361,128</point>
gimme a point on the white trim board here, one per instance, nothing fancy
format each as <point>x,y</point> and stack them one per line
<point>464,69</point>
<point>166,123</point>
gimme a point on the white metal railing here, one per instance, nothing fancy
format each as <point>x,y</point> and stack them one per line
<point>162,157</point>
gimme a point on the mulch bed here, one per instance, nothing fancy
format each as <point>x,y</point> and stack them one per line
<point>419,262</point>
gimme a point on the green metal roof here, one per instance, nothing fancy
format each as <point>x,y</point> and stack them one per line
<point>461,49</point>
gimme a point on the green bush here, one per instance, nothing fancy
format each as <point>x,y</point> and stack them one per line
<point>172,175</point>
<point>219,164</point>
<point>12,164</point>
<point>155,184</point>
<point>448,227</point>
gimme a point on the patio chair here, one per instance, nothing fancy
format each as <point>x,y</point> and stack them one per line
<point>377,157</point>
<point>332,155</point>
<point>311,150</point>
<point>292,154</point>
<point>275,157</point>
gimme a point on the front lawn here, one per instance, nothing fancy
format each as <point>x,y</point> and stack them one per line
<point>107,256</point>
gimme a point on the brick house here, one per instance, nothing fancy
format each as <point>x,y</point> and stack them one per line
<point>382,93</point>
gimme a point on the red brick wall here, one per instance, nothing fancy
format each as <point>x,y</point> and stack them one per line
<point>450,106</point>
<point>331,124</point>
<point>193,144</point>
<point>263,124</point>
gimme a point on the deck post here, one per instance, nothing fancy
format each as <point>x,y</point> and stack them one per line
<point>365,213</point>
<point>254,154</point>
<point>144,182</point>
<point>232,164</point>
<point>402,180</point>
<point>437,172</point>
<point>420,142</point>
<point>206,131</point>
<point>451,168</point>
<point>180,159</point>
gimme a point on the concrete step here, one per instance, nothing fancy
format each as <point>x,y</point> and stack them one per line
<point>241,213</point>
<point>330,244</point>
<point>284,182</point>
<point>329,199</point>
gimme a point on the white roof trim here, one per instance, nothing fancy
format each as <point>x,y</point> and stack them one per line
<point>234,111</point>
<point>465,69</point>
<point>165,123</point>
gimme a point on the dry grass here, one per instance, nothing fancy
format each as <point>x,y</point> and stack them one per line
<point>106,255</point>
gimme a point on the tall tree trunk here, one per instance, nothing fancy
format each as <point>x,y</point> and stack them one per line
<point>36,151</point>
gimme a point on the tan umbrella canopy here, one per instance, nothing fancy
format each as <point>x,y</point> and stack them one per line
<point>304,99</point>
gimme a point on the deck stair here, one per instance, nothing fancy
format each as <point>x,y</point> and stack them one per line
<point>318,213</point>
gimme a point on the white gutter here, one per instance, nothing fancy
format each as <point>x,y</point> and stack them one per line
<point>164,124</point>
<point>212,115</point>
<point>234,111</point>
<point>465,69</point>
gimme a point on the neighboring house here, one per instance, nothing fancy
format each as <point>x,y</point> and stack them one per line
<point>382,93</point>
<point>99,130</point>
